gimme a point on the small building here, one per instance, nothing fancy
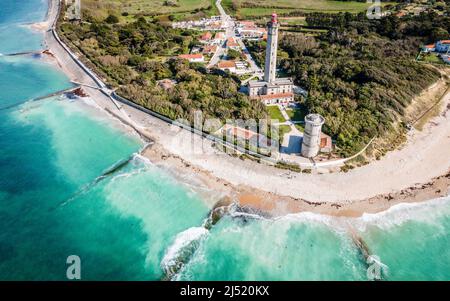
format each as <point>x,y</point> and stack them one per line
<point>326,143</point>
<point>446,59</point>
<point>209,49</point>
<point>254,34</point>
<point>227,66</point>
<point>243,135</point>
<point>278,98</point>
<point>443,46</point>
<point>232,44</point>
<point>246,24</point>
<point>206,37</point>
<point>429,48</point>
<point>193,58</point>
<point>279,91</point>
<point>219,38</point>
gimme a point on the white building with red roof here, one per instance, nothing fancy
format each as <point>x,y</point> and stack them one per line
<point>429,48</point>
<point>227,66</point>
<point>193,58</point>
<point>232,44</point>
<point>209,49</point>
<point>206,37</point>
<point>272,90</point>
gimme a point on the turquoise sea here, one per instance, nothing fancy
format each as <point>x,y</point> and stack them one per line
<point>138,222</point>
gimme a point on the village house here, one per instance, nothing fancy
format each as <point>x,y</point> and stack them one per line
<point>219,38</point>
<point>209,49</point>
<point>193,58</point>
<point>232,44</point>
<point>227,66</point>
<point>245,135</point>
<point>250,31</point>
<point>443,46</point>
<point>253,34</point>
<point>429,48</point>
<point>326,143</point>
<point>206,37</point>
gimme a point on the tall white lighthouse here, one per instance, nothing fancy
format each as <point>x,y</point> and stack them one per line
<point>272,90</point>
<point>270,72</point>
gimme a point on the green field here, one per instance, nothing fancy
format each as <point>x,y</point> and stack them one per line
<point>259,8</point>
<point>275,113</point>
<point>431,58</point>
<point>296,114</point>
<point>101,9</point>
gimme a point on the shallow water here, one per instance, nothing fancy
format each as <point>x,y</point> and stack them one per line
<point>138,222</point>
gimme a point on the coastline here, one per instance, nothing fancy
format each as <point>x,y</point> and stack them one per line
<point>374,188</point>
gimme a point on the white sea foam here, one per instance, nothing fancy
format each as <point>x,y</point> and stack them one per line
<point>426,212</point>
<point>143,159</point>
<point>184,242</point>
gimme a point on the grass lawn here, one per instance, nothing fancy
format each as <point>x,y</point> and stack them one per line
<point>297,114</point>
<point>101,9</point>
<point>293,20</point>
<point>265,7</point>
<point>284,129</point>
<point>431,58</point>
<point>275,113</point>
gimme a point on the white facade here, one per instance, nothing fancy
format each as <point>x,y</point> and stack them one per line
<point>311,137</point>
<point>272,90</point>
<point>270,72</point>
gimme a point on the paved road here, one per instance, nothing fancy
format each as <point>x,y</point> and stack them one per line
<point>228,23</point>
<point>230,27</point>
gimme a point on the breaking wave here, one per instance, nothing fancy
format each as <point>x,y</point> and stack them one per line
<point>179,253</point>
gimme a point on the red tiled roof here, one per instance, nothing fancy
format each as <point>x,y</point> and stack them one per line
<point>210,49</point>
<point>206,36</point>
<point>191,56</point>
<point>248,23</point>
<point>226,64</point>
<point>325,141</point>
<point>445,42</point>
<point>232,43</point>
<point>219,36</point>
<point>430,46</point>
<point>275,96</point>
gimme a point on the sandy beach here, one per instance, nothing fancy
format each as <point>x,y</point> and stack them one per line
<point>419,171</point>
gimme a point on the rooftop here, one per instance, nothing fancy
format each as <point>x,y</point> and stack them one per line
<point>231,42</point>
<point>315,119</point>
<point>278,81</point>
<point>206,36</point>
<point>275,96</point>
<point>226,64</point>
<point>191,56</point>
<point>219,36</point>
